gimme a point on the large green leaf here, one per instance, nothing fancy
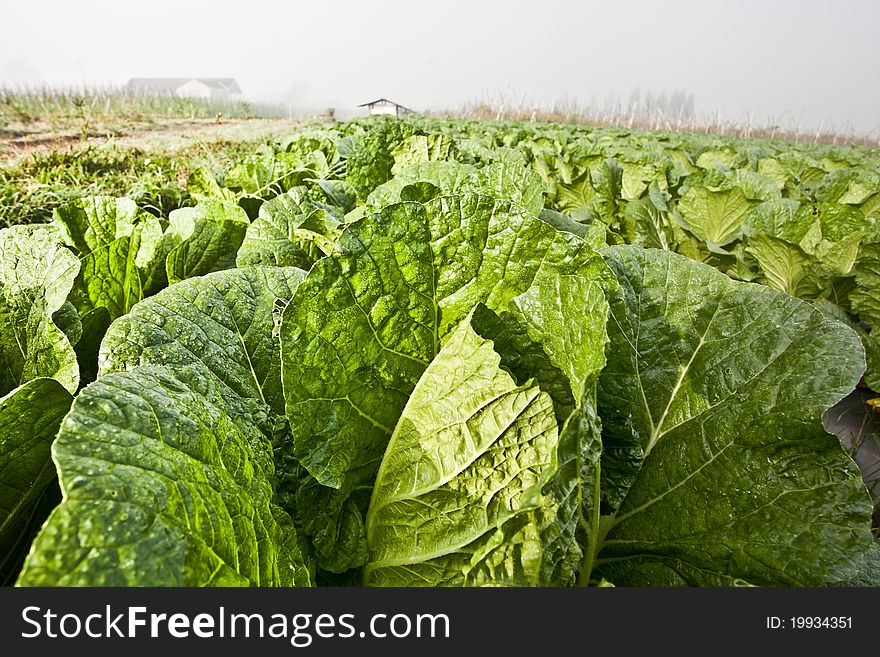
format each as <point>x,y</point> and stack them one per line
<point>162,487</point>
<point>469,454</point>
<point>784,265</point>
<point>725,158</point>
<point>837,220</point>
<point>815,227</point>
<point>292,230</point>
<point>502,181</point>
<point>435,517</point>
<point>868,574</point>
<point>771,169</point>
<point>865,301</point>
<point>258,175</point>
<point>120,248</point>
<point>754,186</point>
<point>555,333</point>
<point>371,159</point>
<point>712,401</point>
<point>29,419</point>
<point>650,225</point>
<point>339,194</point>
<point>447,177</point>
<point>424,148</point>
<point>202,184</point>
<point>218,330</point>
<point>866,298</point>
<point>206,238</point>
<point>108,279</point>
<point>190,391</point>
<point>91,222</point>
<point>36,275</point>
<point>577,197</point>
<point>779,218</point>
<point>637,176</point>
<point>567,315</point>
<point>509,182</point>
<point>368,319</point>
<point>715,216</point>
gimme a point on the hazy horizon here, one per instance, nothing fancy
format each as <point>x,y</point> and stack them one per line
<point>807,64</point>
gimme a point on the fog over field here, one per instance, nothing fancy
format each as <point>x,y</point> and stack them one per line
<point>809,64</point>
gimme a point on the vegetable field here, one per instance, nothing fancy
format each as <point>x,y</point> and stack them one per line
<point>449,353</point>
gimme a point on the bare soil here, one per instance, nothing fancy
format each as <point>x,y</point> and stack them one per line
<point>169,135</point>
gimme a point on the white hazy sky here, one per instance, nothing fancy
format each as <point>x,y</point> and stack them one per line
<point>804,62</point>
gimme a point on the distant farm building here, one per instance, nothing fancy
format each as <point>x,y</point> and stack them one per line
<point>385,106</point>
<point>213,88</point>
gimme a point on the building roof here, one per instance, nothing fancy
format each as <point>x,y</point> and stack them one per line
<point>385,101</point>
<point>172,84</point>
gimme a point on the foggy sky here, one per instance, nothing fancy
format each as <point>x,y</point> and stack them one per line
<point>786,62</point>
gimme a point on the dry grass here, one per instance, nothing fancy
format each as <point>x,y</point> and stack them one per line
<point>105,111</point>
<point>46,118</point>
<point>655,117</point>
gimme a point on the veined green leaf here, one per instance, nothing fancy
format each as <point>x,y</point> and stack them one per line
<point>837,221</point>
<point>292,230</point>
<point>712,402</point>
<point>423,148</point>
<point>755,186</point>
<point>91,222</point>
<point>108,279</point>
<point>36,276</point>
<point>202,185</point>
<point>651,226</point>
<point>120,249</point>
<point>369,319</point>
<point>577,197</point>
<point>447,177</point>
<point>220,327</point>
<point>502,181</point>
<point>554,332</point>
<point>635,178</point>
<point>167,460</point>
<point>469,454</point>
<point>564,317</point>
<point>719,158</point>
<point>29,419</point>
<point>866,298</point>
<point>371,160</point>
<point>206,238</point>
<point>508,182</point>
<point>162,487</point>
<point>785,265</point>
<point>338,193</point>
<point>715,216</point>
<point>771,169</point>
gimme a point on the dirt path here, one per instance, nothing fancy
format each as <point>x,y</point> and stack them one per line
<point>168,136</point>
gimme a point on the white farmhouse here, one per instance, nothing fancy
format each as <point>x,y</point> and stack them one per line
<point>211,88</point>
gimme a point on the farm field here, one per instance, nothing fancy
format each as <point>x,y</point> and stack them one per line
<point>431,352</point>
